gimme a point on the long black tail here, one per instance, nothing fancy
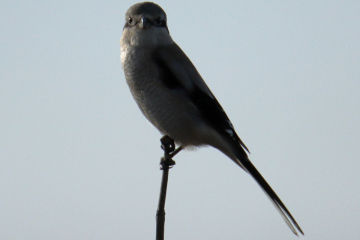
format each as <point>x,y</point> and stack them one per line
<point>286,215</point>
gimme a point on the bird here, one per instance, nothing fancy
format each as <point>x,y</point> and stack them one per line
<point>174,98</point>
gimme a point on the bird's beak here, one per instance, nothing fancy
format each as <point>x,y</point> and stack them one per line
<point>144,23</point>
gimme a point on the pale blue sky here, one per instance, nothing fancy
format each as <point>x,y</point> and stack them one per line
<point>79,161</point>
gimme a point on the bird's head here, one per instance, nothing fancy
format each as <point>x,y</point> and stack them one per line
<point>145,25</point>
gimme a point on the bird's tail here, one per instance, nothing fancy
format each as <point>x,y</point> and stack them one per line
<point>244,162</point>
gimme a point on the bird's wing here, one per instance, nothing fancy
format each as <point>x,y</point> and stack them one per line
<point>178,73</point>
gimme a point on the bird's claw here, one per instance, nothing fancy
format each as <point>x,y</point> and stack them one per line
<point>166,163</point>
<point>167,144</point>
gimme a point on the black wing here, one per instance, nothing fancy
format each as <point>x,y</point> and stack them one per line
<point>209,108</point>
<point>213,114</point>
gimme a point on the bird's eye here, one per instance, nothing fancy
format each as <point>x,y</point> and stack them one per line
<point>130,20</point>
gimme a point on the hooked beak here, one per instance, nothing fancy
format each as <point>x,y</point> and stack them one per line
<point>144,23</point>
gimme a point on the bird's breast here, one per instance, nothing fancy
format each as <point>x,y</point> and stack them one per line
<point>167,109</point>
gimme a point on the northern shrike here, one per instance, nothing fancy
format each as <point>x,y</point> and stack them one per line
<point>173,96</point>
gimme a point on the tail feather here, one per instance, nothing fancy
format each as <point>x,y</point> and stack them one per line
<point>245,163</point>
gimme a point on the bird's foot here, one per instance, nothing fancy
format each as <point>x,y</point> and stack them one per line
<point>168,145</point>
<point>166,163</point>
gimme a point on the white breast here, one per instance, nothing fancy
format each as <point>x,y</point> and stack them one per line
<point>166,109</point>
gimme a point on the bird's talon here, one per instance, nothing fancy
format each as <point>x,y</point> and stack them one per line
<point>167,144</point>
<point>166,163</point>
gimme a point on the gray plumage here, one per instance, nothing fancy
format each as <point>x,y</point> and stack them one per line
<point>173,96</point>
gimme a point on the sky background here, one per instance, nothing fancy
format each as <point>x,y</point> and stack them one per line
<point>79,161</point>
